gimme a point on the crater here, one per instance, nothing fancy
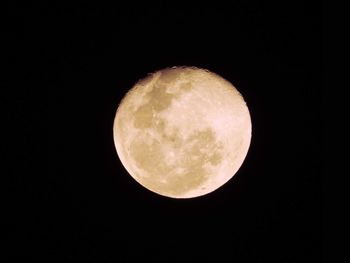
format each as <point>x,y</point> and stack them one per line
<point>143,116</point>
<point>197,151</point>
<point>187,86</point>
<point>149,157</point>
<point>169,75</point>
<point>158,100</point>
<point>189,170</point>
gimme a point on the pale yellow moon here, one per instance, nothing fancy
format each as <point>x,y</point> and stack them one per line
<point>182,132</point>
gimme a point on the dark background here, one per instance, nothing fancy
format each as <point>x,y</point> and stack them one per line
<point>73,201</point>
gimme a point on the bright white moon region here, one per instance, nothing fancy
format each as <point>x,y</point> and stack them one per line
<point>182,132</point>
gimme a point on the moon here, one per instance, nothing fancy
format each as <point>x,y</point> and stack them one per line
<point>182,132</point>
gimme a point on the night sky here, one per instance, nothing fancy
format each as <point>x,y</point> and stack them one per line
<point>73,201</point>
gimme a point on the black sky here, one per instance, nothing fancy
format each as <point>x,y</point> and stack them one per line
<point>86,208</point>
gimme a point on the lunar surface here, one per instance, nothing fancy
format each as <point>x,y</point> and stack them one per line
<point>182,132</point>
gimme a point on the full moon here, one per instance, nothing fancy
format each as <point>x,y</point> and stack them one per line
<point>182,132</point>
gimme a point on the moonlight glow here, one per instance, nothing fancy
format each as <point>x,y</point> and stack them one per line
<point>182,132</point>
